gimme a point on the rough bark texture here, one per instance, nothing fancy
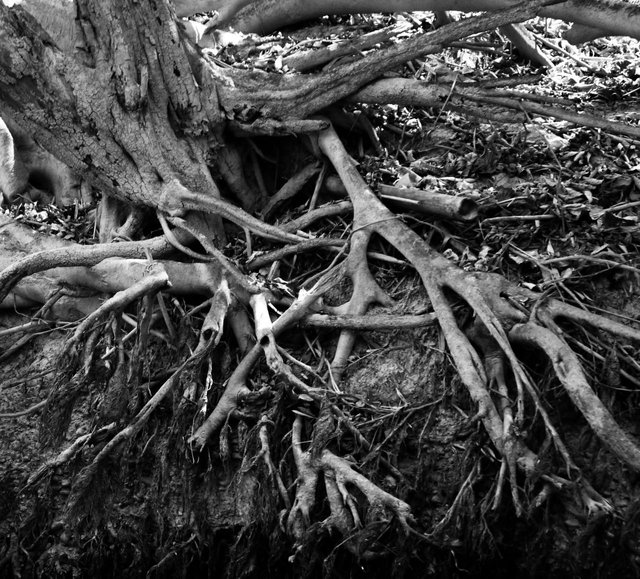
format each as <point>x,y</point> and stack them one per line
<point>111,110</point>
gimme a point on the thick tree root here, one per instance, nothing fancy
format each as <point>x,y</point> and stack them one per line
<point>488,295</point>
<point>33,275</point>
<point>569,371</point>
<point>177,199</point>
<point>412,92</point>
<point>494,312</point>
<point>273,97</point>
<point>594,17</point>
<point>366,292</point>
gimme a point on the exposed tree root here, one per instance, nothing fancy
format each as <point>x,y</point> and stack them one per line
<point>177,199</point>
<point>236,387</point>
<point>69,453</point>
<point>567,367</point>
<point>411,92</point>
<point>104,268</point>
<point>74,255</point>
<point>273,96</point>
<point>370,216</point>
<point>31,410</point>
<point>302,61</point>
<point>155,280</point>
<point>339,477</point>
<point>523,41</point>
<point>594,18</point>
<point>209,338</point>
<point>499,323</point>
<point>331,494</point>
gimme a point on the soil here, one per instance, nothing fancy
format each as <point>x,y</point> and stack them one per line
<point>157,511</point>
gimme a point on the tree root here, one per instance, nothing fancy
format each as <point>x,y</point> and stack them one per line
<point>569,371</point>
<point>366,292</point>
<point>593,18</point>
<point>339,478</point>
<point>289,189</point>
<point>236,388</point>
<point>265,456</point>
<point>155,280</point>
<point>31,410</point>
<point>273,128</point>
<point>522,40</point>
<point>210,336</point>
<point>489,297</point>
<point>483,293</point>
<point>176,199</point>
<point>105,268</point>
<point>78,255</point>
<point>412,92</point>
<point>490,370</point>
<point>268,258</point>
<point>69,453</point>
<point>273,97</point>
<point>309,59</point>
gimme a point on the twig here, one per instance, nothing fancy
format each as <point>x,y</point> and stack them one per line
<point>29,410</point>
<point>562,51</point>
<point>516,218</point>
<point>591,259</point>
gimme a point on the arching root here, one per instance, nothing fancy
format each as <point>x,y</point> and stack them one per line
<point>489,296</point>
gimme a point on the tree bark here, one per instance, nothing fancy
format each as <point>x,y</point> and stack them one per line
<point>263,16</point>
<point>121,116</point>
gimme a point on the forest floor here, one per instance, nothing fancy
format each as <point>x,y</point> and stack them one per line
<point>557,213</point>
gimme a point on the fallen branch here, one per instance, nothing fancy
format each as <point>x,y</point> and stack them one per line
<point>439,204</point>
<point>380,322</point>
